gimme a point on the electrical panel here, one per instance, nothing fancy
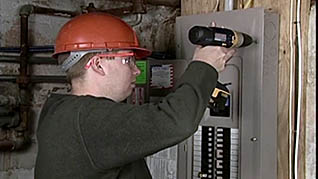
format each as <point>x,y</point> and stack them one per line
<point>239,139</point>
<point>158,78</point>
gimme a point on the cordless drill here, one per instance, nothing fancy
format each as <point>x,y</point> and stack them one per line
<point>216,36</point>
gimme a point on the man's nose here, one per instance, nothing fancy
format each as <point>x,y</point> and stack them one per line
<point>136,71</point>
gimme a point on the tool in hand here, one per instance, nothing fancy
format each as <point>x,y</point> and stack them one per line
<point>216,36</point>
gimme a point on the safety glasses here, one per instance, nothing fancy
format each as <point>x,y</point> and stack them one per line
<point>125,57</point>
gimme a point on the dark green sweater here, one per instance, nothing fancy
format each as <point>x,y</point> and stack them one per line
<point>93,137</point>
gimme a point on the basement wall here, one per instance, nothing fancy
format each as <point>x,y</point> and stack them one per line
<point>156,32</point>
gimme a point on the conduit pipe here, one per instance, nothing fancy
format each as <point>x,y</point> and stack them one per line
<point>29,9</point>
<point>33,49</point>
<point>9,140</point>
<point>172,3</point>
<point>7,145</point>
<point>136,22</point>
<point>229,5</point>
<point>14,144</point>
<point>23,82</point>
<point>35,79</point>
<point>138,8</point>
<point>31,60</point>
<point>18,138</point>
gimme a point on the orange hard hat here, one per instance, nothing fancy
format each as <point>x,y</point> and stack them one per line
<point>96,30</point>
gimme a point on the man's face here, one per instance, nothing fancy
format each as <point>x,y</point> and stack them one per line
<point>121,73</point>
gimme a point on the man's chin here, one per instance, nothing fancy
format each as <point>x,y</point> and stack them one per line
<point>128,94</point>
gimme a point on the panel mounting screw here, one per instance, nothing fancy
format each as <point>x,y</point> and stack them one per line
<point>253,139</point>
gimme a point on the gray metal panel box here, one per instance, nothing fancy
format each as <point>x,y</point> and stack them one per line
<point>253,73</point>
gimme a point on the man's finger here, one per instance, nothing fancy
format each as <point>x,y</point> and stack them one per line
<point>229,54</point>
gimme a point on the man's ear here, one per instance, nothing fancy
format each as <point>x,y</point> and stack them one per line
<point>97,66</point>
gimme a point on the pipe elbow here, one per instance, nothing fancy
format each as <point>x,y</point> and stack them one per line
<point>17,143</point>
<point>26,10</point>
<point>136,22</point>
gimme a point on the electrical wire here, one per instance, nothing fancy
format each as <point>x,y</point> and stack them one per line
<point>216,6</point>
<point>171,17</point>
<point>291,87</point>
<point>229,5</point>
<point>299,100</point>
<point>241,4</point>
<point>248,4</point>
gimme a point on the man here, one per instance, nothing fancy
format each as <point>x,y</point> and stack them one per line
<point>90,133</point>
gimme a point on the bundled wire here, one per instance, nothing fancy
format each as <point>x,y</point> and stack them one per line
<point>291,88</point>
<point>295,114</point>
<point>299,95</point>
<point>216,6</point>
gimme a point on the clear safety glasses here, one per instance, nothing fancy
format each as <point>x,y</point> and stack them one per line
<point>125,57</point>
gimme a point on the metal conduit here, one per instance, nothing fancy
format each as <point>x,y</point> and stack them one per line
<point>31,60</point>
<point>19,138</point>
<point>172,3</point>
<point>34,49</point>
<point>35,79</point>
<point>29,9</point>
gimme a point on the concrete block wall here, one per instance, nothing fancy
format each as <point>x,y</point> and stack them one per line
<point>156,32</point>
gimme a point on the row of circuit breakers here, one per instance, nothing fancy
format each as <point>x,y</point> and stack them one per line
<point>236,139</point>
<point>215,153</point>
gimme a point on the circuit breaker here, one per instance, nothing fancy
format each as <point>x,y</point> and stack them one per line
<point>238,141</point>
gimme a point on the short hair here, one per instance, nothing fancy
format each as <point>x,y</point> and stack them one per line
<point>78,69</point>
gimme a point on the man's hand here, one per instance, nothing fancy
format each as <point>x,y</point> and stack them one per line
<point>213,55</point>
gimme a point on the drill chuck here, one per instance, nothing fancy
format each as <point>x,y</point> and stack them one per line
<point>217,36</point>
